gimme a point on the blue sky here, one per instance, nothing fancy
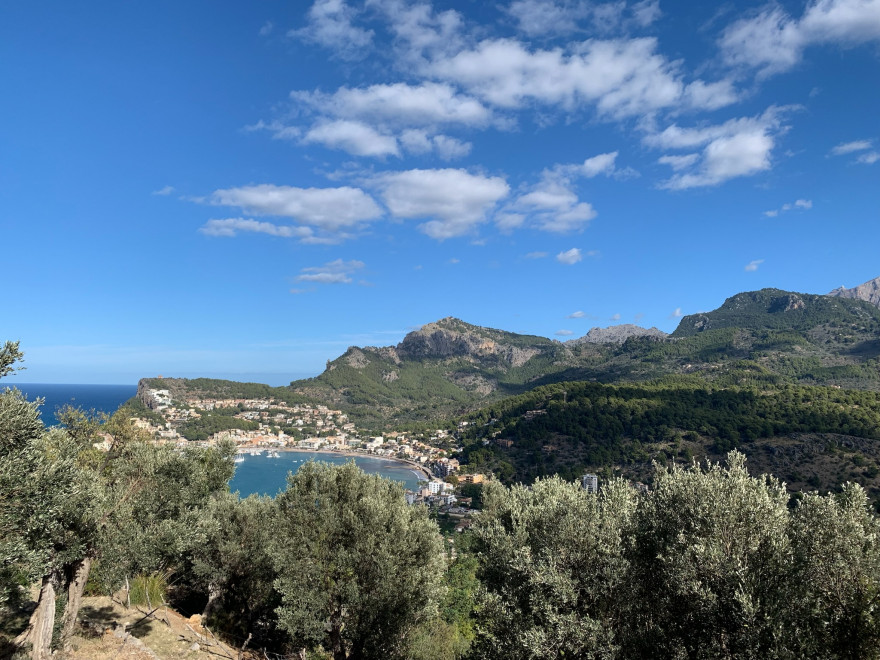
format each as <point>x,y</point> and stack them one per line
<point>243,190</point>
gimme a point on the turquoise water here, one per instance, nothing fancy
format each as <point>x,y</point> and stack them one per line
<point>103,398</point>
<point>267,476</point>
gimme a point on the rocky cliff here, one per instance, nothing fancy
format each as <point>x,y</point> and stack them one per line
<point>617,334</point>
<point>869,292</point>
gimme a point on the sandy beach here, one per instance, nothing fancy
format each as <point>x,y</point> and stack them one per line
<point>417,467</point>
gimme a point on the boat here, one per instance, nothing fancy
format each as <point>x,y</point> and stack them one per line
<point>274,454</point>
<point>238,459</point>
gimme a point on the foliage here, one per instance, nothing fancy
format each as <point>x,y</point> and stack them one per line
<point>210,422</point>
<point>614,423</point>
<point>711,563</point>
<point>359,570</point>
<point>553,570</point>
<point>158,496</point>
<point>234,567</point>
<point>149,590</point>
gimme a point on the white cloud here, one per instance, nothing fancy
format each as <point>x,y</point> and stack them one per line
<point>507,222</point>
<point>327,209</point>
<point>622,77</point>
<point>560,17</point>
<point>539,17</point>
<point>232,226</point>
<point>739,147</point>
<point>267,28</point>
<point>564,333</point>
<point>710,96</point>
<point>454,261</point>
<point>331,25</point>
<point>537,255</point>
<point>802,204</point>
<point>646,12</point>
<point>447,148</point>
<point>601,164</point>
<point>453,201</point>
<point>333,272</point>
<point>354,137</point>
<point>554,206</point>
<point>569,257</point>
<point>165,190</point>
<point>679,162</point>
<point>850,147</point>
<point>399,104</point>
<point>772,41</point>
<point>376,121</point>
<point>576,315</point>
<point>615,317</point>
<point>869,158</point>
<point>676,313</point>
<point>752,266</point>
<point>419,30</point>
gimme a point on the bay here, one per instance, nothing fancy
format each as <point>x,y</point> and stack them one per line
<point>265,475</point>
<point>103,398</point>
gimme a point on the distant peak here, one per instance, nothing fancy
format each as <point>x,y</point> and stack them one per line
<point>617,334</point>
<point>869,292</point>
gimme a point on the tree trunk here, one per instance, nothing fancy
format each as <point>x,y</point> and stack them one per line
<point>337,644</point>
<point>42,623</point>
<point>79,575</point>
<point>214,594</point>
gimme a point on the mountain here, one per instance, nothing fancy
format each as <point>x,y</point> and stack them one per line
<point>773,309</point>
<point>617,334</point>
<point>810,437</point>
<point>449,367</point>
<point>869,292</point>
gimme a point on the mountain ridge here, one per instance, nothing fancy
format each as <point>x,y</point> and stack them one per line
<point>868,291</point>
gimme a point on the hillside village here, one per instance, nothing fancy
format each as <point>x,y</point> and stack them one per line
<point>282,426</point>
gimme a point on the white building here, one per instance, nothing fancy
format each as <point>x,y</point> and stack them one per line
<point>590,483</point>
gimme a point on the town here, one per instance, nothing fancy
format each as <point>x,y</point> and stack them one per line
<point>269,425</point>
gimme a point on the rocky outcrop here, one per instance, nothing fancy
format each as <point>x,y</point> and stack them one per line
<point>617,334</point>
<point>354,357</point>
<point>869,292</point>
<point>450,338</point>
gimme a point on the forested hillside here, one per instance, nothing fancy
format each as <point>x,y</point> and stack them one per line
<point>450,367</point>
<point>570,428</point>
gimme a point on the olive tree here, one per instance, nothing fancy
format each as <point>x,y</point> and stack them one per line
<point>834,595</point>
<point>234,566</point>
<point>359,570</point>
<point>49,501</point>
<point>552,565</point>
<point>709,559</point>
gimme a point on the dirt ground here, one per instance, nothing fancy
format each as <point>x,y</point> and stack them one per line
<point>110,631</point>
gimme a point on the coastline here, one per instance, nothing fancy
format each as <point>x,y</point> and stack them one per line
<point>416,467</point>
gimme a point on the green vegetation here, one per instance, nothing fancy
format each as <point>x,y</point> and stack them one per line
<point>708,563</point>
<point>767,337</point>
<point>214,421</point>
<point>569,428</point>
<point>216,388</point>
<point>712,563</point>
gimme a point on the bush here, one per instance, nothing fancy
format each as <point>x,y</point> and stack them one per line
<point>150,590</point>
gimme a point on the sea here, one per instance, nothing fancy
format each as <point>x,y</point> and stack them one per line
<point>102,398</point>
<point>266,475</point>
<point>262,475</point>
